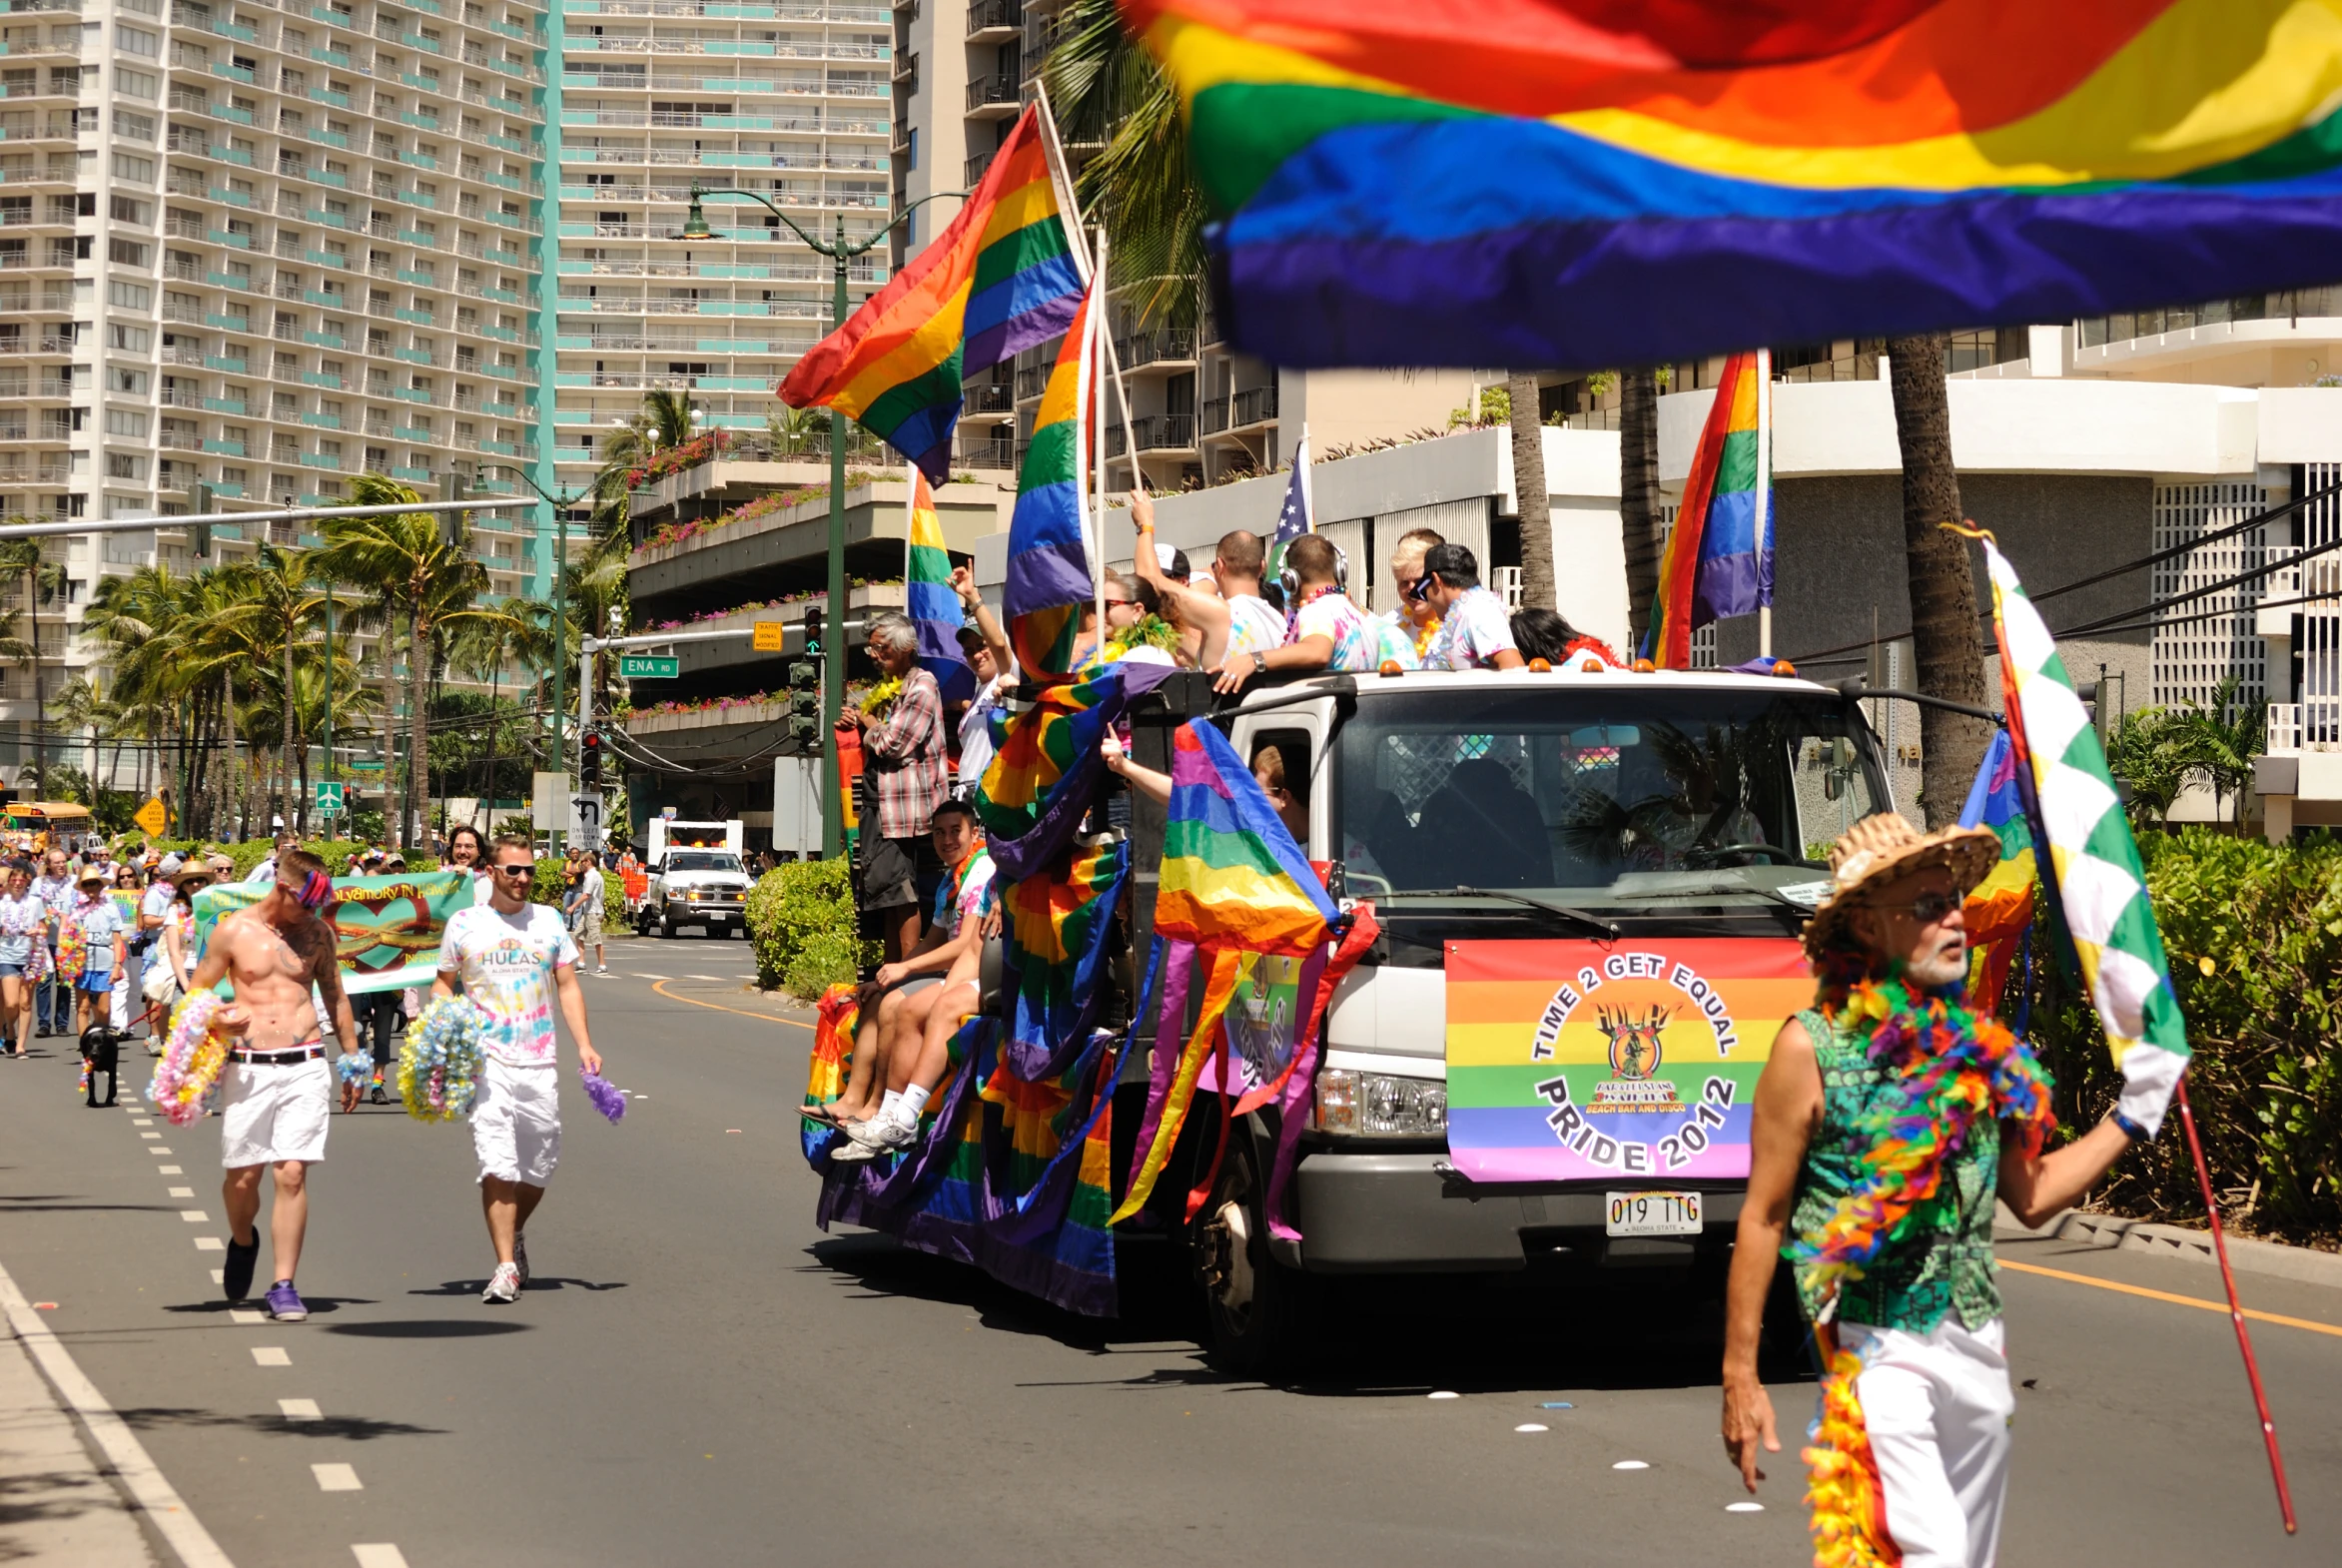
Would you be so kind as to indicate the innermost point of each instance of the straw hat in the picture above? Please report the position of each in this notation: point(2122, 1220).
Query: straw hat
point(1883, 847)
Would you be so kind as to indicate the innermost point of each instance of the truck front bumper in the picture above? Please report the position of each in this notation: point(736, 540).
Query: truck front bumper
point(1396, 1212)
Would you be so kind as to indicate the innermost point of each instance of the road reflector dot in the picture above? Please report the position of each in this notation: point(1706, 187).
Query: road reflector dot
point(731, 1129)
point(1531, 1426)
point(1630, 1464)
point(1744, 1507)
point(1445, 1395)
point(44, 1306)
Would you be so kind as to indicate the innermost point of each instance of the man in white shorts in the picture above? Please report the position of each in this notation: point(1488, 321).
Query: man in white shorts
point(513, 957)
point(277, 1093)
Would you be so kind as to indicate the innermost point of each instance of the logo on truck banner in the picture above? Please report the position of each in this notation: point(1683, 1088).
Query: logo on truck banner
point(1571, 1060)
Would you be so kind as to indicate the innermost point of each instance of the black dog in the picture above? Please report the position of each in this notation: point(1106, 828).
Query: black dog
point(101, 1047)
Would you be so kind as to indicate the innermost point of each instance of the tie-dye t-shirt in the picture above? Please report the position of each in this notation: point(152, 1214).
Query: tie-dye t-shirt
point(506, 963)
point(1332, 616)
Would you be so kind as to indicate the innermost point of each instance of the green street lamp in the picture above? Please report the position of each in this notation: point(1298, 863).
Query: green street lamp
point(833, 690)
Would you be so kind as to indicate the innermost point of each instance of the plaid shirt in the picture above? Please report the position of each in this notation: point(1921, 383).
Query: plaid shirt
point(904, 754)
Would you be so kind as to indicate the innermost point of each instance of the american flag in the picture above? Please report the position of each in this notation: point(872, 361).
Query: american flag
point(1299, 512)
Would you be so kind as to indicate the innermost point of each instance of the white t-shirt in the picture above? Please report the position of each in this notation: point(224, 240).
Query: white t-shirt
point(506, 964)
point(591, 884)
point(976, 735)
point(1255, 625)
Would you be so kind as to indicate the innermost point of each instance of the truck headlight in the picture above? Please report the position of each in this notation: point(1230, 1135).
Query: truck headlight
point(1380, 1104)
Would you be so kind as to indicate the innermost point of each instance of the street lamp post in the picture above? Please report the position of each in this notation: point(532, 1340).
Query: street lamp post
point(833, 686)
point(560, 504)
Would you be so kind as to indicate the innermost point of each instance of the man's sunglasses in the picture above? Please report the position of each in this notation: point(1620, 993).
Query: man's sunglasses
point(525, 868)
point(1928, 909)
point(1420, 588)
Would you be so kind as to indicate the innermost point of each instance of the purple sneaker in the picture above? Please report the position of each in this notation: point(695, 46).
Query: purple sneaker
point(285, 1304)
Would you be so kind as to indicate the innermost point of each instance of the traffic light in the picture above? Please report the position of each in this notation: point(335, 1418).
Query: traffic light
point(203, 531)
point(451, 522)
point(805, 704)
point(590, 760)
point(813, 616)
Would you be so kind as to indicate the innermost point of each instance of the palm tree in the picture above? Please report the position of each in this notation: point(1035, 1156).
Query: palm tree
point(1528, 488)
point(43, 581)
point(2224, 735)
point(1946, 644)
point(418, 576)
point(282, 605)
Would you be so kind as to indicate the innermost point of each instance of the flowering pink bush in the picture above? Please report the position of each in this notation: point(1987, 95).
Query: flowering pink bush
point(785, 601)
point(712, 704)
point(747, 511)
point(676, 459)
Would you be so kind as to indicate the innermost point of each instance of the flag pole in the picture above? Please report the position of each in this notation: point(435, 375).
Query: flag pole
point(2252, 1370)
point(1764, 497)
point(1053, 151)
point(1094, 325)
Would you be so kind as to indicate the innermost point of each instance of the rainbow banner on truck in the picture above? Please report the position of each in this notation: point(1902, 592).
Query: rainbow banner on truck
point(1582, 1061)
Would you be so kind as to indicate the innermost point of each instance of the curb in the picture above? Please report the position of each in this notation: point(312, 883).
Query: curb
point(2245, 1254)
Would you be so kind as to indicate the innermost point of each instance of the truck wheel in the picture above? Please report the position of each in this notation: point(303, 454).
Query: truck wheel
point(1256, 1309)
point(668, 927)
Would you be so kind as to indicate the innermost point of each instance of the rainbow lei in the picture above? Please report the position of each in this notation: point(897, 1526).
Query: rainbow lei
point(438, 1068)
point(192, 1058)
point(1950, 1066)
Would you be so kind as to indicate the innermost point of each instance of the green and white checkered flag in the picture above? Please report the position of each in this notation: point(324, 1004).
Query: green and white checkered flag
point(2093, 866)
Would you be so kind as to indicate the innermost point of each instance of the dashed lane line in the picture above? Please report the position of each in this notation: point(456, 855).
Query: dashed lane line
point(148, 1491)
point(337, 1477)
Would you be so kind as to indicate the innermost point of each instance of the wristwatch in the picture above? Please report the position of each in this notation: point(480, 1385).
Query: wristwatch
point(2130, 1130)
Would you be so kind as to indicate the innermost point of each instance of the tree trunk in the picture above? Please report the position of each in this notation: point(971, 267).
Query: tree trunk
point(228, 732)
point(393, 782)
point(286, 754)
point(1528, 487)
point(1946, 644)
point(418, 674)
point(1638, 498)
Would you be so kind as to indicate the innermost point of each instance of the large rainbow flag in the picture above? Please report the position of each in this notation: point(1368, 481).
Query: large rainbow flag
point(929, 598)
point(1718, 559)
point(2000, 908)
point(1533, 182)
point(1048, 563)
point(1001, 278)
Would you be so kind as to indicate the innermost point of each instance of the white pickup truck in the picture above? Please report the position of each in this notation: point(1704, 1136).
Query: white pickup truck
point(707, 888)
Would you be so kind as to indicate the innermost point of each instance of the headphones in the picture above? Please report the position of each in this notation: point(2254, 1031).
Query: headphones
point(1290, 580)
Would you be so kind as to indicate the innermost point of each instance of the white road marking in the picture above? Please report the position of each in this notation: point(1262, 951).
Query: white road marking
point(645, 974)
point(181, 1191)
point(337, 1478)
point(169, 1171)
point(1744, 1507)
point(718, 979)
point(219, 1275)
point(380, 1554)
point(1531, 1426)
point(270, 1355)
point(148, 1491)
point(299, 1411)
point(155, 1136)
point(142, 1121)
point(193, 1217)
point(241, 1315)
point(210, 1243)
point(158, 1150)
point(1630, 1464)
point(743, 976)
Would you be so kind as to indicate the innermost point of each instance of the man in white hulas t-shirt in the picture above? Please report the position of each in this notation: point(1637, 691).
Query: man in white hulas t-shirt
point(513, 957)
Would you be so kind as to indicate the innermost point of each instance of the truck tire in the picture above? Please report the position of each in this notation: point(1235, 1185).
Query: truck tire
point(667, 926)
point(1258, 1312)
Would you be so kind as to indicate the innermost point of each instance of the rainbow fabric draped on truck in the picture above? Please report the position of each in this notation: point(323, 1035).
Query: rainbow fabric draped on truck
point(1570, 182)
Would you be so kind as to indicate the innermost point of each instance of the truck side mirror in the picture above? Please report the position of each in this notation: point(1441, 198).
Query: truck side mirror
point(1838, 768)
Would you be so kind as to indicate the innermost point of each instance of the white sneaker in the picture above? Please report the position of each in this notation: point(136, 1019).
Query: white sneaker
point(882, 1132)
point(503, 1284)
point(604, 970)
point(850, 1153)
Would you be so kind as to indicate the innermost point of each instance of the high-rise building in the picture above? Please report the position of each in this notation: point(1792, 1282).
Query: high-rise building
point(785, 99)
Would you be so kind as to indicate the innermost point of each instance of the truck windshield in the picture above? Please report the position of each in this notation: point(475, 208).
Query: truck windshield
point(1619, 801)
point(702, 860)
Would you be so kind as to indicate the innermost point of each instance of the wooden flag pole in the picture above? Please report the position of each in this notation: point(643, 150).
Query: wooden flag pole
point(1764, 495)
point(2252, 1370)
point(1094, 324)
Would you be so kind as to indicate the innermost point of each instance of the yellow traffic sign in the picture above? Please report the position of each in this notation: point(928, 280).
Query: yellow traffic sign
point(153, 817)
point(769, 634)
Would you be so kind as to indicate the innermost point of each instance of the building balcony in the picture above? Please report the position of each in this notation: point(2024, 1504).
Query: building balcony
point(994, 98)
point(995, 21)
point(1168, 347)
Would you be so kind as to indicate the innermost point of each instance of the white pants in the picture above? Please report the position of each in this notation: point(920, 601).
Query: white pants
point(516, 1122)
point(267, 1114)
point(1939, 1408)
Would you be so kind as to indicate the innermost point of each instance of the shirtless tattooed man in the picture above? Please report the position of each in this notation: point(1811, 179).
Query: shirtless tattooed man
point(278, 1090)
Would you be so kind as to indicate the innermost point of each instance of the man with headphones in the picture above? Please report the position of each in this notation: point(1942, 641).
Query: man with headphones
point(1328, 630)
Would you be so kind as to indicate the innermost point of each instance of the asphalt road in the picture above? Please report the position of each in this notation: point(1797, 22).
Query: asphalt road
point(699, 1374)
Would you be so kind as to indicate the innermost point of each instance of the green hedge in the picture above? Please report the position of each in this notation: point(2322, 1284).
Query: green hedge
point(2254, 935)
point(801, 921)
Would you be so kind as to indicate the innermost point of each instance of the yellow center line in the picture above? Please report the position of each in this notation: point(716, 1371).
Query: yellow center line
point(2177, 1301)
point(660, 986)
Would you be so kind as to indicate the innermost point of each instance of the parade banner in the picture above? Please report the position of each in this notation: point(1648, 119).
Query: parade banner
point(1576, 1061)
point(387, 930)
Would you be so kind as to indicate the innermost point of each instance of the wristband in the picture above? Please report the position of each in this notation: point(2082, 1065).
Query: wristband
point(2130, 1130)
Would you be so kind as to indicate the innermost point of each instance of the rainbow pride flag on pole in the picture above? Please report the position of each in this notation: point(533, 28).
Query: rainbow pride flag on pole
point(929, 598)
point(1521, 181)
point(1718, 559)
point(1049, 558)
point(2000, 908)
point(1003, 278)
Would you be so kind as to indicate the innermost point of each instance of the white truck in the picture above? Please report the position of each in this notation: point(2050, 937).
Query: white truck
point(670, 833)
point(1590, 884)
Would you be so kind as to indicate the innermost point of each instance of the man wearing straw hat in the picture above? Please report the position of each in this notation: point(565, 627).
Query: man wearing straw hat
point(1888, 1117)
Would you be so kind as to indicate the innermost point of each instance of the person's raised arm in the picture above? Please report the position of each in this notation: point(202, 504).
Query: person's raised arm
point(1155, 786)
point(978, 613)
point(1206, 612)
point(573, 1013)
point(1786, 1110)
point(2037, 1186)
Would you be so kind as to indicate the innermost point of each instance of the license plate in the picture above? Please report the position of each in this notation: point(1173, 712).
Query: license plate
point(1652, 1214)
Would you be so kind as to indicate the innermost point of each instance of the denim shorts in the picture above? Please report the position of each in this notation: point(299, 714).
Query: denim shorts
point(11, 971)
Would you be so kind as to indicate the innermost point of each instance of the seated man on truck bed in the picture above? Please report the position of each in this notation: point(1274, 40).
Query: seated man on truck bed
point(896, 1003)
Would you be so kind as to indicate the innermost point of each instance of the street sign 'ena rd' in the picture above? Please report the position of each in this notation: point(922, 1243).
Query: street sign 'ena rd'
point(649, 666)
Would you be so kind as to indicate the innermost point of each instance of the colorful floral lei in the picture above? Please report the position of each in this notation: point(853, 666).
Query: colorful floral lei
point(192, 1058)
point(440, 1067)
